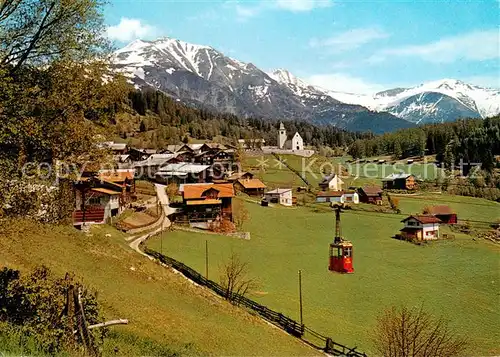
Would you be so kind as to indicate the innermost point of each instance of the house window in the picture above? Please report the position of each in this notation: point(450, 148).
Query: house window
point(411, 223)
point(94, 201)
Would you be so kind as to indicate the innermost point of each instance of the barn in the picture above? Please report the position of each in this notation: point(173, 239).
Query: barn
point(444, 213)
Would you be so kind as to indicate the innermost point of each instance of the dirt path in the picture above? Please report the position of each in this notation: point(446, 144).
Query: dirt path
point(167, 210)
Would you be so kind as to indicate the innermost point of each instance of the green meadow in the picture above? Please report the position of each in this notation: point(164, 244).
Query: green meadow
point(456, 278)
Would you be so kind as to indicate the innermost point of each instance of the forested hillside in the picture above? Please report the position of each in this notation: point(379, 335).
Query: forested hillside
point(152, 119)
point(470, 140)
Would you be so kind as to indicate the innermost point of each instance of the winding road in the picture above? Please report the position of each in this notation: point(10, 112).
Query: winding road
point(167, 210)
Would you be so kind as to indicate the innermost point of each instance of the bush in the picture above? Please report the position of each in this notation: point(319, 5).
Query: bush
point(44, 311)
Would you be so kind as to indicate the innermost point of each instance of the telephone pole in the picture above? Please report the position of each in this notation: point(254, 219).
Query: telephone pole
point(206, 259)
point(300, 296)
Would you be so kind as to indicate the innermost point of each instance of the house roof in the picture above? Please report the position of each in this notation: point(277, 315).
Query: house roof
point(210, 201)
point(184, 168)
point(372, 190)
point(440, 209)
point(155, 160)
point(330, 194)
point(216, 146)
point(329, 178)
point(195, 191)
point(238, 175)
point(115, 146)
point(252, 183)
point(119, 175)
point(393, 176)
point(279, 191)
point(105, 191)
point(173, 147)
point(144, 151)
point(424, 219)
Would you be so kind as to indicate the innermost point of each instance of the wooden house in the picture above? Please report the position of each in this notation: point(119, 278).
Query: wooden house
point(283, 196)
point(420, 227)
point(399, 181)
point(444, 213)
point(96, 200)
point(140, 154)
point(123, 177)
point(240, 175)
point(370, 194)
point(331, 182)
point(207, 202)
point(252, 187)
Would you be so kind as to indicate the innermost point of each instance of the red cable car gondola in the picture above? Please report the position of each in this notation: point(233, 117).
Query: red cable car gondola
point(340, 250)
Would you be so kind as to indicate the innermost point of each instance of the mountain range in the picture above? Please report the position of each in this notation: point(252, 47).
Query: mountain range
point(204, 77)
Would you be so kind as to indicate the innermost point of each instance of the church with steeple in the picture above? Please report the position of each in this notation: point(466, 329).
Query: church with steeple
point(293, 142)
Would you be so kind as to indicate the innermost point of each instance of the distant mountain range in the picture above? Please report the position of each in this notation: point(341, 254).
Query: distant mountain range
point(204, 77)
point(431, 102)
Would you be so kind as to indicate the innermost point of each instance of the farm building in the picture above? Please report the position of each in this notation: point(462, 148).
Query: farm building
point(444, 213)
point(331, 183)
point(97, 200)
point(283, 196)
point(370, 194)
point(421, 227)
point(252, 187)
point(207, 202)
point(400, 181)
point(338, 197)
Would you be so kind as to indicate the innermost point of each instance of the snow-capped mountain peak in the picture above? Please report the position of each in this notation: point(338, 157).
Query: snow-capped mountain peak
point(201, 75)
point(434, 101)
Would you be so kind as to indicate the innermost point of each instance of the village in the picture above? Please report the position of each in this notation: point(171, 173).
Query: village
point(207, 177)
point(325, 223)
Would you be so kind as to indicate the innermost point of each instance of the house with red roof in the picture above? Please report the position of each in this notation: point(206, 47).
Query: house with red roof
point(420, 227)
point(206, 202)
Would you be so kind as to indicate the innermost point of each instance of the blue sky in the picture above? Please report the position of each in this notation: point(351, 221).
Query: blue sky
point(359, 46)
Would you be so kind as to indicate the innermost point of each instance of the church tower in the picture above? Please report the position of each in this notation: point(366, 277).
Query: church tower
point(281, 136)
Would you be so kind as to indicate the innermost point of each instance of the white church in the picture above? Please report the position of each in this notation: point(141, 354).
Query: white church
point(294, 143)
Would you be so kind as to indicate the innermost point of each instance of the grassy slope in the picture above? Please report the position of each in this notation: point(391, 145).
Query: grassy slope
point(166, 313)
point(457, 278)
point(362, 174)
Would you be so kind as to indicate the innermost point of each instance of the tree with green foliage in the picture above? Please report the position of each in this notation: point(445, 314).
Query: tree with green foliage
point(57, 93)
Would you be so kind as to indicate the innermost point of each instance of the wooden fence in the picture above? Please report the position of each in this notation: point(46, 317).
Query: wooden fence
point(289, 325)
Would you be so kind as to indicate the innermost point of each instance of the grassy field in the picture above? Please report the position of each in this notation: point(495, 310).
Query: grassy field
point(358, 173)
point(458, 278)
point(168, 315)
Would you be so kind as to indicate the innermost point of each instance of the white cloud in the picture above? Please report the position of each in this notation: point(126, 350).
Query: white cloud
point(302, 5)
point(472, 46)
point(349, 40)
point(245, 12)
point(130, 29)
point(342, 82)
